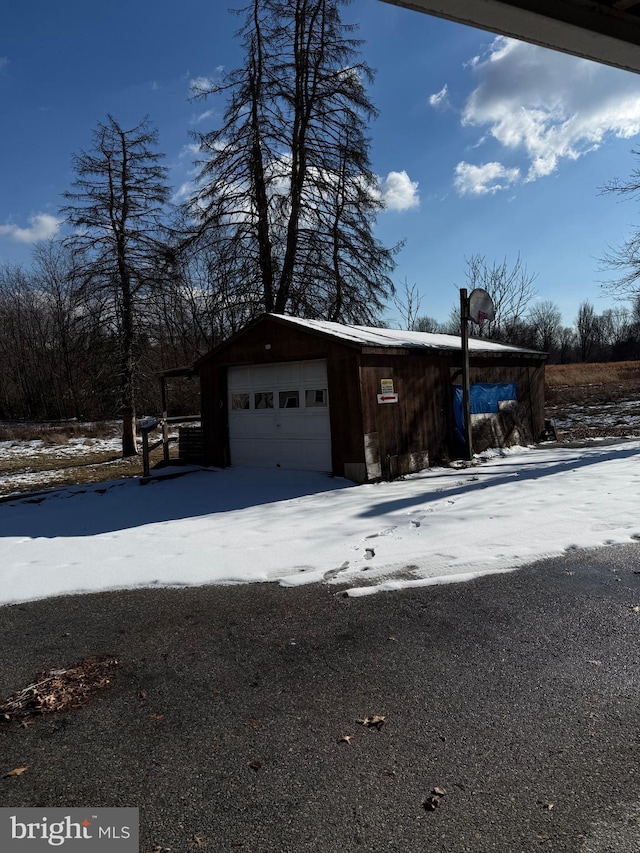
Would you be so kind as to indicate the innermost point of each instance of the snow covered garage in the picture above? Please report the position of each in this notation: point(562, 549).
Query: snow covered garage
point(358, 402)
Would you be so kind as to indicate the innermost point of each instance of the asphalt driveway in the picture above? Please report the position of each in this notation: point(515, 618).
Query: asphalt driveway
point(518, 695)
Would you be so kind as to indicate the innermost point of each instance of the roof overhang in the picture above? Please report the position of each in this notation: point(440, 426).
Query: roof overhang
point(606, 31)
point(176, 372)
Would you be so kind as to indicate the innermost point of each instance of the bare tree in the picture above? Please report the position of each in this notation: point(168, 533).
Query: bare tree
point(587, 330)
point(117, 210)
point(510, 288)
point(545, 320)
point(26, 379)
point(408, 301)
point(624, 261)
point(566, 344)
point(425, 323)
point(286, 192)
point(54, 271)
point(615, 327)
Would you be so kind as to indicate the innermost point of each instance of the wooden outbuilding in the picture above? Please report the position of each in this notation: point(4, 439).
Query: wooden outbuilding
point(359, 402)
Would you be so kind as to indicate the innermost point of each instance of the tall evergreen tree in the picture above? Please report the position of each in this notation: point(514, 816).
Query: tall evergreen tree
point(286, 192)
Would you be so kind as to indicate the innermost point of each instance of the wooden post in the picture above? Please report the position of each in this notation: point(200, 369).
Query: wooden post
point(466, 400)
point(165, 428)
point(145, 452)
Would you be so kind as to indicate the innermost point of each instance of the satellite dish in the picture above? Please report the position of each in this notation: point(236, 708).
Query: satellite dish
point(481, 306)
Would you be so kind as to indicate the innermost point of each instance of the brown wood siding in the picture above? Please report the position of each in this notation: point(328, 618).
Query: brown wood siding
point(422, 420)
point(286, 343)
point(417, 423)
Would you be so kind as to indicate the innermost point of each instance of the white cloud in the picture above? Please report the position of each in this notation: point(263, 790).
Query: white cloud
point(202, 85)
point(481, 180)
point(548, 106)
point(202, 116)
point(399, 192)
point(440, 99)
point(191, 150)
point(4, 61)
point(185, 191)
point(42, 226)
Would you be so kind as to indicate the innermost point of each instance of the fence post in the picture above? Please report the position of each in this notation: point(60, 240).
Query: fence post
point(165, 428)
point(145, 452)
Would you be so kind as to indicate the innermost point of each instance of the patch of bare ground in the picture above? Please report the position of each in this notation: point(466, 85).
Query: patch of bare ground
point(64, 455)
point(591, 401)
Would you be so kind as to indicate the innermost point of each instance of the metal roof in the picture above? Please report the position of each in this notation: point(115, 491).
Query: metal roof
point(373, 336)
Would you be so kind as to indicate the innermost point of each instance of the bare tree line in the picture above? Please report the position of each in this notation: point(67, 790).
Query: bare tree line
point(524, 320)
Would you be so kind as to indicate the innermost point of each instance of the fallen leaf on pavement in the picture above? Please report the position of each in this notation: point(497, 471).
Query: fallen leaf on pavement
point(156, 716)
point(376, 721)
point(433, 800)
point(345, 739)
point(198, 840)
point(17, 771)
point(431, 803)
point(255, 765)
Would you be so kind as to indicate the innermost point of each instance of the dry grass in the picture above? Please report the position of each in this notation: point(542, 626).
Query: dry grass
point(586, 374)
point(592, 383)
point(56, 432)
point(589, 401)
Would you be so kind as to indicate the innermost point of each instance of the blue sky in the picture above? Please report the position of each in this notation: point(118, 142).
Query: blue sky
point(482, 145)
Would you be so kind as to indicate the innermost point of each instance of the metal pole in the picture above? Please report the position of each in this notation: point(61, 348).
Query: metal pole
point(466, 401)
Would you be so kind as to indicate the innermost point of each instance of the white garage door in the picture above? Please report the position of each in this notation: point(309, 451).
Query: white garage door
point(279, 415)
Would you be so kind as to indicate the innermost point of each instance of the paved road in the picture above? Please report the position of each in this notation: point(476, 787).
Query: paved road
point(517, 694)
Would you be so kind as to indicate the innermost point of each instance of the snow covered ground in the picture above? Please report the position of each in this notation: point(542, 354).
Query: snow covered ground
point(72, 447)
point(246, 525)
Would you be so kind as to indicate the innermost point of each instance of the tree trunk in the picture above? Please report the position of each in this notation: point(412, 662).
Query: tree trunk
point(129, 442)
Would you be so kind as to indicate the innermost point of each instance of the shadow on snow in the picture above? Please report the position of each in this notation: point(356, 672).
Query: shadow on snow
point(521, 471)
point(123, 504)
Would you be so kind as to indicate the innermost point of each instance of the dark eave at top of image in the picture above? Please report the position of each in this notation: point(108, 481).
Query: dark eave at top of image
point(606, 31)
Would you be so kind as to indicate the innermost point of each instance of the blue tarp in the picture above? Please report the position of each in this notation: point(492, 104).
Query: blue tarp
point(483, 398)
